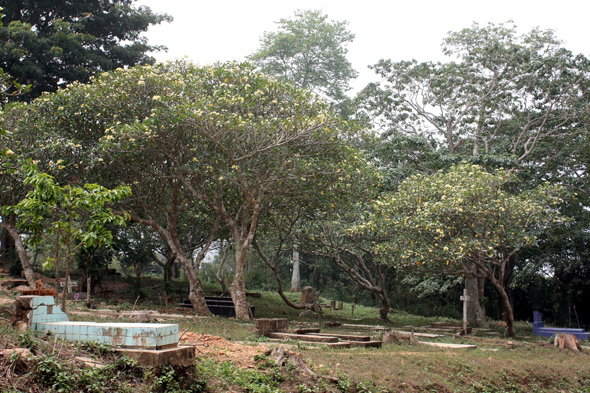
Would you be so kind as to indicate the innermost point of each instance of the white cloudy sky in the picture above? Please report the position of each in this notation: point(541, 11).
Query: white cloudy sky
point(209, 31)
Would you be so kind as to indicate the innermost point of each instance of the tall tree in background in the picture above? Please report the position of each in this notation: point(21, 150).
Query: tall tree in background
point(504, 95)
point(51, 43)
point(310, 52)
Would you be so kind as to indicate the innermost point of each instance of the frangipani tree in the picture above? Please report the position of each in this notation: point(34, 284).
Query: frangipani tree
point(219, 144)
point(463, 222)
point(329, 235)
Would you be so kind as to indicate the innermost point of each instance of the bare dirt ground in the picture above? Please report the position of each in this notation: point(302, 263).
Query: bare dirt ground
point(222, 350)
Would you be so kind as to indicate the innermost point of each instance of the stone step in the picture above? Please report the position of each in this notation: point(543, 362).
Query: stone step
point(449, 346)
point(346, 337)
point(303, 337)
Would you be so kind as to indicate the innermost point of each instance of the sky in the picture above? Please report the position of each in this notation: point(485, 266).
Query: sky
point(210, 31)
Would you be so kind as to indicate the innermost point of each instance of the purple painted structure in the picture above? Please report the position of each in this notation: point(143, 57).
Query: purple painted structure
point(540, 330)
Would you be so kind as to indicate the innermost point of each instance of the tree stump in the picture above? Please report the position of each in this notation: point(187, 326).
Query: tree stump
point(264, 326)
point(281, 356)
point(307, 295)
point(22, 307)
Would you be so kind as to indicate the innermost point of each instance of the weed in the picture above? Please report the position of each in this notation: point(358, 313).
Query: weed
point(253, 381)
point(171, 380)
point(27, 340)
point(51, 373)
point(97, 347)
point(344, 384)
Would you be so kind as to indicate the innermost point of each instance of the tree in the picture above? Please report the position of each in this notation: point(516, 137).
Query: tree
point(331, 236)
point(9, 237)
point(49, 44)
point(70, 217)
point(12, 190)
point(507, 100)
point(450, 222)
point(216, 145)
point(310, 52)
point(504, 96)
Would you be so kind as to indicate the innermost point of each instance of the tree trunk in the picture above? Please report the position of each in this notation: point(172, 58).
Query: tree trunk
point(6, 245)
point(219, 275)
point(167, 272)
point(22, 253)
point(475, 312)
point(67, 281)
point(386, 305)
point(296, 277)
point(176, 269)
point(238, 286)
point(197, 297)
point(508, 314)
point(196, 294)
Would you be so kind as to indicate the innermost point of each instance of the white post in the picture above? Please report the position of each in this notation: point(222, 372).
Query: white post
point(465, 299)
point(296, 277)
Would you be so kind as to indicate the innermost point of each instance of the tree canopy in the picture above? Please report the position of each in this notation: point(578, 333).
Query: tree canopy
point(449, 222)
point(310, 52)
point(504, 95)
point(255, 156)
point(222, 142)
point(49, 44)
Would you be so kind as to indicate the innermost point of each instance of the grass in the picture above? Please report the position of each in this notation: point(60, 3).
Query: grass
point(421, 368)
point(492, 367)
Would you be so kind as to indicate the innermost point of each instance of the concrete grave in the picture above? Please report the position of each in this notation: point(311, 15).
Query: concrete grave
point(539, 328)
point(144, 340)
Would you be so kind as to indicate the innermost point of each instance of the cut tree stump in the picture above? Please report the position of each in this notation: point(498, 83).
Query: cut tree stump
point(307, 295)
point(264, 326)
point(281, 356)
point(22, 307)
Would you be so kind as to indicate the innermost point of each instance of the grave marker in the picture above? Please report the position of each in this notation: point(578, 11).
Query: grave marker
point(71, 284)
point(465, 299)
